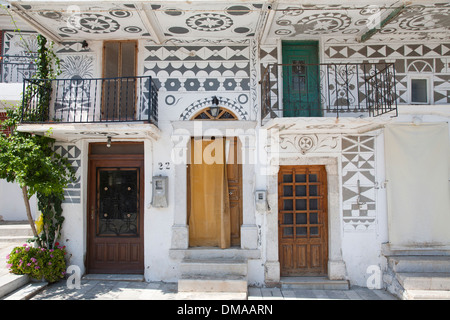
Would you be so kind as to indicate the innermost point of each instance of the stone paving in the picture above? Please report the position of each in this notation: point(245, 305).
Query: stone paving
point(129, 290)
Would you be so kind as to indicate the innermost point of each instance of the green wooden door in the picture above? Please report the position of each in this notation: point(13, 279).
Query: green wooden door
point(301, 86)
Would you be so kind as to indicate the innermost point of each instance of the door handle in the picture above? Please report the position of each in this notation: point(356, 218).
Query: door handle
point(92, 213)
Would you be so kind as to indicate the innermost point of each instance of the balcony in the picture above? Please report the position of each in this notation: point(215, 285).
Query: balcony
point(327, 90)
point(94, 100)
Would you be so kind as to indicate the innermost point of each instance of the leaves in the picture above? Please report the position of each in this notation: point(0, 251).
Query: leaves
point(29, 159)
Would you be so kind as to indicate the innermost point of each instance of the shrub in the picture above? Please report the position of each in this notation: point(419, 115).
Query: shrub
point(38, 262)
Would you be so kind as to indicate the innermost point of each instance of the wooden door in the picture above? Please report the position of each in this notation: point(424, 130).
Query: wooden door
point(119, 84)
point(202, 233)
point(115, 214)
point(302, 220)
point(234, 176)
point(301, 86)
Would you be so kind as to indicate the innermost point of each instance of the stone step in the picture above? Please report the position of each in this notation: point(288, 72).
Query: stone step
point(313, 283)
point(214, 253)
point(227, 283)
point(11, 282)
point(427, 295)
point(420, 263)
point(14, 239)
point(390, 250)
point(15, 229)
point(424, 280)
point(114, 277)
point(214, 267)
point(27, 291)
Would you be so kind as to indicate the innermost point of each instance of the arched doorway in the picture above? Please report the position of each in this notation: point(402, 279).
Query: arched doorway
point(214, 187)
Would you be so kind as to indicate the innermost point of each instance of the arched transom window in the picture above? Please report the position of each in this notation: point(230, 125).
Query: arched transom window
point(207, 114)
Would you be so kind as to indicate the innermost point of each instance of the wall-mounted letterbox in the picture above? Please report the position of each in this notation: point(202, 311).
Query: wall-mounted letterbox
point(160, 197)
point(261, 201)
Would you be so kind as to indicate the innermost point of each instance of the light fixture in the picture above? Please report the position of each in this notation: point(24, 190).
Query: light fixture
point(108, 142)
point(214, 107)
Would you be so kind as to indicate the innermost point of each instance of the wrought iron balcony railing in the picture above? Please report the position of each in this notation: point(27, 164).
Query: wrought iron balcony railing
point(320, 90)
point(14, 69)
point(122, 99)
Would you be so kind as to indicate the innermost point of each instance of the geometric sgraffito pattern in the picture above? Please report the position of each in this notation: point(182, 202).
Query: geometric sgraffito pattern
point(73, 155)
point(199, 68)
point(358, 182)
point(410, 59)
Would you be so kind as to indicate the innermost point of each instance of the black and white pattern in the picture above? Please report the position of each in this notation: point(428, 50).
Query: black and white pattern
point(413, 59)
point(294, 21)
point(73, 154)
point(83, 22)
point(224, 102)
point(75, 93)
point(199, 68)
point(358, 183)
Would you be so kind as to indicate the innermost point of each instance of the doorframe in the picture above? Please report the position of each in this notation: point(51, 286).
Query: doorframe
point(336, 265)
point(183, 131)
point(323, 219)
point(87, 192)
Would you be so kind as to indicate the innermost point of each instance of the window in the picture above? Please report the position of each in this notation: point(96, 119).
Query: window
point(419, 91)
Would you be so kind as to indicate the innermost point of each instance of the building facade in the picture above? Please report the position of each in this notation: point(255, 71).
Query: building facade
point(270, 139)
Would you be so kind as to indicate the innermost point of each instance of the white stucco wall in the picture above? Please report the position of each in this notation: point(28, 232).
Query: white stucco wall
point(12, 206)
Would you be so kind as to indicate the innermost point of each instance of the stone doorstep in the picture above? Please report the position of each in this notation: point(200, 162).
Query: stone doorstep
point(27, 291)
point(214, 267)
point(420, 263)
point(202, 283)
point(427, 295)
point(313, 283)
point(15, 230)
point(424, 280)
point(15, 239)
point(114, 277)
point(11, 282)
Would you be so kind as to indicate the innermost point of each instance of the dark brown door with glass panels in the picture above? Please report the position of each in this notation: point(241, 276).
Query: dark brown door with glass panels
point(302, 220)
point(115, 214)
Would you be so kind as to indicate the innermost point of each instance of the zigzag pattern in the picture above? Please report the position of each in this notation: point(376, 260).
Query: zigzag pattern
point(197, 53)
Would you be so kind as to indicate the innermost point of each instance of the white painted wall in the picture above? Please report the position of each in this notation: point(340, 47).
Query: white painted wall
point(12, 206)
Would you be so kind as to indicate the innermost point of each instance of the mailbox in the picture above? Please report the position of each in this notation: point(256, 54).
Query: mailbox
point(261, 201)
point(160, 192)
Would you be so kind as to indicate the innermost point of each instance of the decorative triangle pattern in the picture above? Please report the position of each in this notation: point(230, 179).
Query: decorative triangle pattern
point(358, 182)
point(73, 154)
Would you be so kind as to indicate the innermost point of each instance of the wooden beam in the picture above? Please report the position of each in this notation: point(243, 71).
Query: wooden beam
point(36, 26)
point(392, 15)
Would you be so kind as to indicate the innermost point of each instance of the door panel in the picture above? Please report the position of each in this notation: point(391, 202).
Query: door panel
point(301, 86)
point(119, 95)
point(302, 220)
point(115, 215)
point(203, 224)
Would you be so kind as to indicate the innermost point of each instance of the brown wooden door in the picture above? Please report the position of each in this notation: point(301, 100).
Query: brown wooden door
point(302, 220)
point(119, 85)
point(115, 214)
point(202, 232)
point(234, 176)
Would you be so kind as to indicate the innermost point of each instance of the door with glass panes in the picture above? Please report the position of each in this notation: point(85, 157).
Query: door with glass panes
point(115, 208)
point(302, 220)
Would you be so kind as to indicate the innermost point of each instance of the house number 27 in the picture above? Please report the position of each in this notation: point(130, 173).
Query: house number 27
point(165, 165)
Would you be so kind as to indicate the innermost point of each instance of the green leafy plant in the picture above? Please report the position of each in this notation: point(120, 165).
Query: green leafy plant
point(29, 159)
point(38, 262)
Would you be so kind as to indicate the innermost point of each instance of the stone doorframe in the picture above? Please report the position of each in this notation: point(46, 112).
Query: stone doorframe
point(336, 264)
point(182, 133)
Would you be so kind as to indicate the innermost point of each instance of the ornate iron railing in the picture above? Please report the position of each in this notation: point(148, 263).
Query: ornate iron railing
point(319, 90)
point(13, 69)
point(77, 100)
